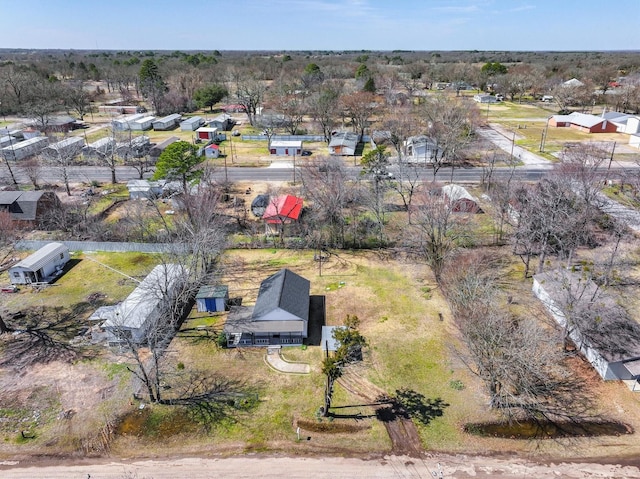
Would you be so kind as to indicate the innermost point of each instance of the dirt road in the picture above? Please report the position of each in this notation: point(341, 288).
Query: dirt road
point(439, 466)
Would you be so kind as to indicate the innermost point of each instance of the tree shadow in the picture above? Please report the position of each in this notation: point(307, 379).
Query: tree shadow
point(409, 404)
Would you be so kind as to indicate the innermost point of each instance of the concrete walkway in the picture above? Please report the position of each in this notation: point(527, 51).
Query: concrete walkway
point(628, 216)
point(503, 139)
point(274, 359)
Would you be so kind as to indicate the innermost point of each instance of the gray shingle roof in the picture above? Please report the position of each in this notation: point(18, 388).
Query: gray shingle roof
point(284, 291)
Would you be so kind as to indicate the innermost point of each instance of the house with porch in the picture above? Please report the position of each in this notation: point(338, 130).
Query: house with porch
point(279, 317)
point(421, 149)
point(343, 143)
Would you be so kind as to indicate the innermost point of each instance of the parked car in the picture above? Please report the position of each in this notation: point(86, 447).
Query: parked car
point(500, 97)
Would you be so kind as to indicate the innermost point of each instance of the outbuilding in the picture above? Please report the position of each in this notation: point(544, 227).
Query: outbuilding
point(168, 122)
point(101, 148)
point(42, 266)
point(191, 124)
point(460, 200)
point(485, 98)
point(206, 134)
point(285, 147)
point(212, 151)
point(212, 298)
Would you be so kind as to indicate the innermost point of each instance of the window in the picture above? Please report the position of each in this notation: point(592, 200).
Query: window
point(272, 151)
point(61, 255)
point(262, 341)
point(16, 274)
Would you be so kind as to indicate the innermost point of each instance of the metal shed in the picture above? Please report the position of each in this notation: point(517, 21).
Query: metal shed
point(123, 124)
point(212, 298)
point(69, 147)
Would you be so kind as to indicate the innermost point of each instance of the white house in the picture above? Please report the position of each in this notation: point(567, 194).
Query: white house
point(168, 122)
point(223, 122)
point(145, 306)
point(67, 148)
point(124, 123)
point(485, 98)
point(285, 147)
point(40, 267)
point(142, 124)
point(421, 149)
point(24, 149)
point(634, 140)
point(139, 189)
point(191, 124)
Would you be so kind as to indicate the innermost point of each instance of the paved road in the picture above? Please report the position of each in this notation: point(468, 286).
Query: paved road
point(504, 140)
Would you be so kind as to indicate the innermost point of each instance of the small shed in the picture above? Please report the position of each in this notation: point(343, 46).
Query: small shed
point(191, 124)
point(42, 266)
point(328, 342)
point(212, 151)
point(142, 124)
point(460, 200)
point(168, 122)
point(144, 189)
point(212, 298)
point(285, 147)
point(206, 133)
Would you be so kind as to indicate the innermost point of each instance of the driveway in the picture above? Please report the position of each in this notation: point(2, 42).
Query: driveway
point(503, 139)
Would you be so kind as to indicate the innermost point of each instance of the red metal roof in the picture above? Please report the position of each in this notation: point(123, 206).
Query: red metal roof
point(282, 209)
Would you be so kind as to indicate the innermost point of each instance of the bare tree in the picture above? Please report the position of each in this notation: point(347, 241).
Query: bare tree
point(359, 107)
point(324, 108)
point(61, 156)
point(249, 92)
point(32, 169)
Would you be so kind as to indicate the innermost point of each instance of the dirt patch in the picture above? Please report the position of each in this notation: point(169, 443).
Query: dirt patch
point(333, 427)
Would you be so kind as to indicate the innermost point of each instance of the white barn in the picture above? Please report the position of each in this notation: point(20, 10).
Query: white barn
point(42, 266)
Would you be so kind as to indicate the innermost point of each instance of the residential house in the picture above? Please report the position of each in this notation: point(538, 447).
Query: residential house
point(485, 98)
point(574, 82)
point(142, 124)
point(460, 200)
point(68, 148)
point(421, 149)
point(124, 123)
point(146, 306)
point(281, 210)
point(24, 149)
point(343, 144)
point(57, 124)
point(285, 147)
point(28, 207)
point(212, 298)
point(42, 266)
point(555, 289)
point(156, 150)
point(222, 122)
point(191, 124)
point(279, 317)
point(145, 189)
point(168, 122)
point(583, 122)
point(101, 148)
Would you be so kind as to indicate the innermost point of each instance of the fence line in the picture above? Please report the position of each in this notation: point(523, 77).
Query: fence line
point(111, 246)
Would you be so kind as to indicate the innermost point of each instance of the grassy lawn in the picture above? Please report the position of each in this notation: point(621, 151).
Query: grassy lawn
point(508, 110)
point(85, 274)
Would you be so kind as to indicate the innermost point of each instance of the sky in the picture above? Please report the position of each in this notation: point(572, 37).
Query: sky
point(321, 24)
